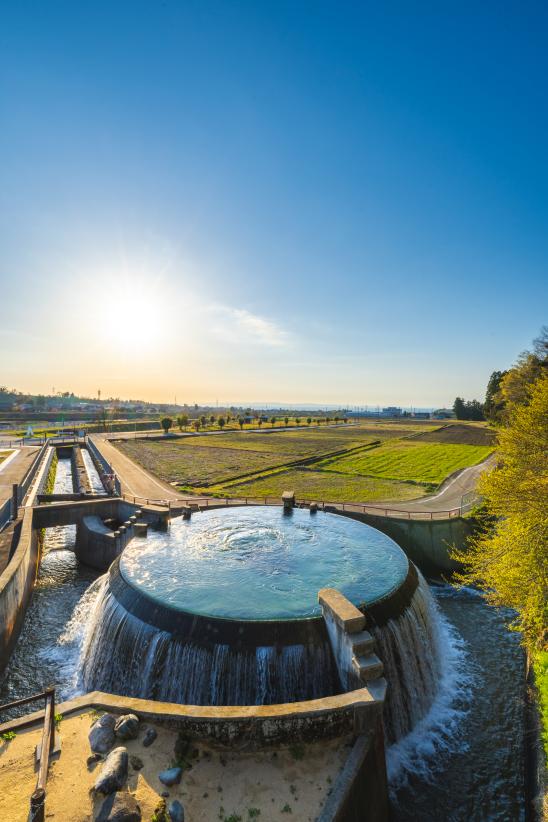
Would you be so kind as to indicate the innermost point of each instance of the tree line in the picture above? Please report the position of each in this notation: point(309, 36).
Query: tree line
point(506, 388)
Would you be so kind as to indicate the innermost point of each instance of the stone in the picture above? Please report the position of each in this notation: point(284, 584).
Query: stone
point(127, 727)
point(149, 737)
point(119, 807)
point(171, 776)
point(93, 759)
point(176, 811)
point(101, 736)
point(114, 772)
point(136, 762)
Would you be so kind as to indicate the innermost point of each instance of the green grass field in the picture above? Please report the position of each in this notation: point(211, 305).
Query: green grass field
point(321, 486)
point(408, 461)
point(4, 455)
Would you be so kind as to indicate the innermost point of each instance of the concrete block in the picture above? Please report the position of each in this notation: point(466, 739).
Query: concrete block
point(345, 614)
point(367, 667)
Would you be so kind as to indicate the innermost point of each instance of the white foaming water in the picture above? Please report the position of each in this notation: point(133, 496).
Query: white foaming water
point(438, 732)
point(67, 651)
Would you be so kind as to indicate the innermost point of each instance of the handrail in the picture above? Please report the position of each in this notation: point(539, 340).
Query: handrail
point(374, 510)
point(38, 798)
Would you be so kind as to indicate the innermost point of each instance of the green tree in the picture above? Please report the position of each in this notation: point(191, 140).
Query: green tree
point(308, 420)
point(221, 422)
point(297, 420)
point(212, 420)
point(259, 422)
point(509, 560)
point(241, 423)
point(273, 421)
point(459, 408)
point(196, 424)
point(184, 420)
point(286, 421)
point(337, 418)
point(494, 405)
point(166, 423)
point(203, 421)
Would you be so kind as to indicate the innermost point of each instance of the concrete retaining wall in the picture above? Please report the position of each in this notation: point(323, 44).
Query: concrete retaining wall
point(360, 792)
point(98, 546)
point(16, 584)
point(357, 712)
point(428, 543)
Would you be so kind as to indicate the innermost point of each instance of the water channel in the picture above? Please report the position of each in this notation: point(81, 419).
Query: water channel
point(463, 761)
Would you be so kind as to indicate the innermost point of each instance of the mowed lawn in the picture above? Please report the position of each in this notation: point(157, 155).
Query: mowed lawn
point(408, 461)
point(322, 486)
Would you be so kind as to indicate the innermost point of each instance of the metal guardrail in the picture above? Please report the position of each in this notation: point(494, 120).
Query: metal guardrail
point(373, 510)
point(38, 798)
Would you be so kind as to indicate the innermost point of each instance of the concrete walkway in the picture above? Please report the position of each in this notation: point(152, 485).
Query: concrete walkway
point(15, 470)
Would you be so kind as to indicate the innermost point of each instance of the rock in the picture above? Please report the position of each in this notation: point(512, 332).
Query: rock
point(127, 727)
point(113, 772)
point(136, 762)
point(176, 811)
point(149, 737)
point(171, 776)
point(91, 760)
point(120, 807)
point(101, 736)
point(165, 795)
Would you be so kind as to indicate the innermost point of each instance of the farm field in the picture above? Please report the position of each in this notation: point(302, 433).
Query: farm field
point(369, 462)
point(409, 461)
point(321, 486)
point(459, 434)
point(200, 461)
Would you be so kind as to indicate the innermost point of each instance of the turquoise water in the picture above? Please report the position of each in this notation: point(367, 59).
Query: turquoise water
point(259, 563)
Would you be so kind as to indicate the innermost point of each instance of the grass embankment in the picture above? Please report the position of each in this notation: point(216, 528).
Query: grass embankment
point(4, 455)
point(371, 462)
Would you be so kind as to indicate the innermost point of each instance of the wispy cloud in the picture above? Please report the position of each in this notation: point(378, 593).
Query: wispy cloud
point(241, 325)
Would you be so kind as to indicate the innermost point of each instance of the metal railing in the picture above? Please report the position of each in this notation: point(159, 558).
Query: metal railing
point(351, 507)
point(38, 798)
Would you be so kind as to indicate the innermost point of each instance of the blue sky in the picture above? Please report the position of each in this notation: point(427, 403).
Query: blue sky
point(301, 201)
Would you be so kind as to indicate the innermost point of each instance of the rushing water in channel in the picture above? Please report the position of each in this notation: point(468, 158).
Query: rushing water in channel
point(464, 761)
point(94, 479)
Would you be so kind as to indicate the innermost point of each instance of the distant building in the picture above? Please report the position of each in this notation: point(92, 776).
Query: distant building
point(421, 415)
point(443, 414)
point(391, 411)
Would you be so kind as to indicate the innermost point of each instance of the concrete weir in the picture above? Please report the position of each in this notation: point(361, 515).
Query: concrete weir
point(143, 647)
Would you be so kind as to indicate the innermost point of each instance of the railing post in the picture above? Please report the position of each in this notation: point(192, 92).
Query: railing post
point(38, 805)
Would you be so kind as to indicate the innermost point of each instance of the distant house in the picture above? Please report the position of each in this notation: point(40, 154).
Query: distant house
point(421, 415)
point(391, 411)
point(443, 414)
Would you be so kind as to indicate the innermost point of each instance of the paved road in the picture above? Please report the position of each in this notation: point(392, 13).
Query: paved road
point(138, 482)
point(15, 470)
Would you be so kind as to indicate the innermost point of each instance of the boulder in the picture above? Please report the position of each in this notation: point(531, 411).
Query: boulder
point(119, 807)
point(127, 727)
point(176, 811)
point(171, 776)
point(113, 774)
point(136, 762)
point(149, 737)
point(101, 736)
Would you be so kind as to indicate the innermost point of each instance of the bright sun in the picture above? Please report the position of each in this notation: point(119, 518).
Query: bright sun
point(132, 319)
